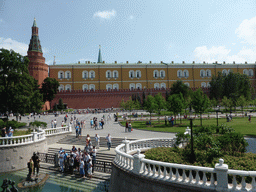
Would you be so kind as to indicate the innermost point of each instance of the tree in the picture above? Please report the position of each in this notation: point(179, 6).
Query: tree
point(150, 105)
point(200, 102)
point(227, 103)
point(160, 103)
point(49, 89)
point(241, 102)
point(130, 104)
point(175, 104)
point(179, 87)
point(19, 91)
point(232, 86)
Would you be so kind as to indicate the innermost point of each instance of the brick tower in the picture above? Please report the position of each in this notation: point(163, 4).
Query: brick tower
point(37, 67)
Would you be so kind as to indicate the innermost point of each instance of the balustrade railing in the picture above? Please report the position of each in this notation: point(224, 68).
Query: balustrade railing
point(38, 135)
point(129, 157)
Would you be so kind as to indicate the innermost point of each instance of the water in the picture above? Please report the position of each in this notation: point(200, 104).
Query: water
point(57, 182)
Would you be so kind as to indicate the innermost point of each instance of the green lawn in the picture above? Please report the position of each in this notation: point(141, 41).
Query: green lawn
point(239, 124)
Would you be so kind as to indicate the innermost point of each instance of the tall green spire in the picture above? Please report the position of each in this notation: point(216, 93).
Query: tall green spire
point(99, 56)
point(34, 24)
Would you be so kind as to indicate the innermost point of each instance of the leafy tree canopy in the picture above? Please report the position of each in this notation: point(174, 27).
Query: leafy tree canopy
point(179, 87)
point(19, 91)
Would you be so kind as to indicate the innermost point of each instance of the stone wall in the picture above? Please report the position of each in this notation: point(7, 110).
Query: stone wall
point(13, 158)
point(126, 181)
point(51, 139)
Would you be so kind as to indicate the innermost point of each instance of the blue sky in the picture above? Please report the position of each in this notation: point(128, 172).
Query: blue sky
point(146, 30)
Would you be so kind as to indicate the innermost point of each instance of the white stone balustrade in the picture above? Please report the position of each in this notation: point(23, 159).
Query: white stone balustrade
point(128, 157)
point(33, 137)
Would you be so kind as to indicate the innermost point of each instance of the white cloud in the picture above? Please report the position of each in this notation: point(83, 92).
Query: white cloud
point(247, 31)
point(221, 54)
point(105, 14)
point(18, 47)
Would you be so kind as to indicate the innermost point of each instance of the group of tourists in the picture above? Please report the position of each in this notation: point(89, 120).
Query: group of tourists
point(33, 165)
point(97, 125)
point(7, 132)
point(128, 127)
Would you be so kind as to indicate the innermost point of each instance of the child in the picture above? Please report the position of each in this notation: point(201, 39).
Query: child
point(82, 173)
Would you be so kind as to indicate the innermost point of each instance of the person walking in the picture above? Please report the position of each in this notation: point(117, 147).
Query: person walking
point(126, 126)
point(108, 138)
point(93, 154)
point(97, 140)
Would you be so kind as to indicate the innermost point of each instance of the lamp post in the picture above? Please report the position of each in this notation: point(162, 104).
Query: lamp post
point(217, 110)
point(192, 157)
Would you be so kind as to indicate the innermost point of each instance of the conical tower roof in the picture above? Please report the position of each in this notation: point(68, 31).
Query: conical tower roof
point(99, 56)
point(34, 44)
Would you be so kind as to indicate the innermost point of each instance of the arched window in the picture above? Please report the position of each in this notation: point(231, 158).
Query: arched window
point(132, 86)
point(156, 85)
point(60, 74)
point(163, 85)
point(92, 74)
point(138, 73)
point(115, 74)
point(245, 71)
point(85, 74)
point(224, 72)
point(208, 84)
point(187, 84)
point(203, 84)
point(138, 86)
point(250, 72)
point(108, 87)
point(68, 87)
point(185, 73)
point(131, 74)
point(67, 74)
point(202, 73)
point(116, 86)
point(208, 73)
point(92, 87)
point(61, 87)
point(108, 74)
point(155, 74)
point(85, 87)
point(179, 73)
point(162, 73)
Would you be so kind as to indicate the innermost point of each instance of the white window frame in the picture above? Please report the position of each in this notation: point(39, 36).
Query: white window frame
point(163, 85)
point(131, 74)
point(203, 85)
point(116, 86)
point(68, 87)
point(138, 72)
point(91, 87)
point(108, 74)
point(179, 73)
point(162, 72)
point(156, 86)
point(66, 74)
point(246, 72)
point(138, 86)
point(90, 73)
point(61, 87)
point(85, 87)
point(116, 74)
point(202, 73)
point(224, 72)
point(155, 74)
point(208, 73)
point(250, 73)
point(132, 86)
point(187, 84)
point(208, 84)
point(108, 87)
point(59, 74)
point(185, 73)
point(85, 72)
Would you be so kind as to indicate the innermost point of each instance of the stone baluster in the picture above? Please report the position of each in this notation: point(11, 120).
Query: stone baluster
point(137, 162)
point(126, 147)
point(34, 135)
point(222, 176)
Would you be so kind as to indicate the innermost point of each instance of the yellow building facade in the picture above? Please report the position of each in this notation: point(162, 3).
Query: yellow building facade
point(100, 76)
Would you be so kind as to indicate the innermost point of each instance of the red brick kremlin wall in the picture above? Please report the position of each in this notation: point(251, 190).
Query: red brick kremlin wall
point(79, 99)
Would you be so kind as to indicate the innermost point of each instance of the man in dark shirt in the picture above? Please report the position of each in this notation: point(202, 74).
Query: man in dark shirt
point(36, 160)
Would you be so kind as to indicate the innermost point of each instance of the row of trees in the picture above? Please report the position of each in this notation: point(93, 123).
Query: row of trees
point(20, 92)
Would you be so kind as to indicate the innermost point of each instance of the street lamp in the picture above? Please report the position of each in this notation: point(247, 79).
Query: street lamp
point(192, 157)
point(217, 110)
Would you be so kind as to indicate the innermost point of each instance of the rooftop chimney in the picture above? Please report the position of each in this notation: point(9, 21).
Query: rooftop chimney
point(234, 62)
point(224, 62)
point(127, 61)
point(89, 62)
point(193, 62)
point(78, 62)
point(172, 62)
point(161, 61)
point(183, 62)
point(103, 61)
point(115, 61)
point(151, 61)
point(203, 62)
point(245, 62)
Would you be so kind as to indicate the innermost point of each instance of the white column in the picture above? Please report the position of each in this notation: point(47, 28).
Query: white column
point(70, 128)
point(126, 142)
point(222, 176)
point(137, 162)
point(34, 136)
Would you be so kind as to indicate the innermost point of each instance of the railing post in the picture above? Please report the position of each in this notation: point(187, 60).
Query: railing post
point(70, 128)
point(56, 160)
point(126, 142)
point(34, 135)
point(222, 176)
point(137, 162)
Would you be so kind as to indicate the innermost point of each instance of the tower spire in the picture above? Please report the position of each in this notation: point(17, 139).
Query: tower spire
point(34, 44)
point(54, 62)
point(99, 56)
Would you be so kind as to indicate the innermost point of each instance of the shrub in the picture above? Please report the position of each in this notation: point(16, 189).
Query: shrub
point(38, 124)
